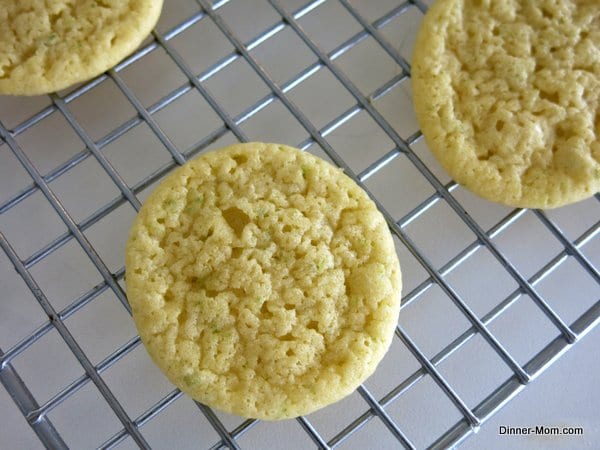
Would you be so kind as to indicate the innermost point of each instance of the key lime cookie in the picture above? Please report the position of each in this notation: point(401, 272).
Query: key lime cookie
point(48, 45)
point(263, 281)
point(507, 95)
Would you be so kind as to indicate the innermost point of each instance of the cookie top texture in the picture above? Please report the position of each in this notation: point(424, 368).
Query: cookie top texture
point(263, 281)
point(507, 93)
point(48, 45)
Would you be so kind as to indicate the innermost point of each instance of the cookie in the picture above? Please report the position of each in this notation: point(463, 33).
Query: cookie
point(263, 281)
point(50, 45)
point(507, 95)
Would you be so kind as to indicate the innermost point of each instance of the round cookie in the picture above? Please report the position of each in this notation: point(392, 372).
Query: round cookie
point(48, 45)
point(507, 95)
point(263, 281)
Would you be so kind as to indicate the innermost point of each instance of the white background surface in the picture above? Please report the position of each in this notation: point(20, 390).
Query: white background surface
point(566, 393)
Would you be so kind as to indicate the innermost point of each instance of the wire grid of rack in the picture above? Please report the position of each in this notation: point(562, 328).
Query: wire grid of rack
point(574, 247)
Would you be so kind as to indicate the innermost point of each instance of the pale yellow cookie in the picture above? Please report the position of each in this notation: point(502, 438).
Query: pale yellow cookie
point(507, 95)
point(48, 45)
point(263, 281)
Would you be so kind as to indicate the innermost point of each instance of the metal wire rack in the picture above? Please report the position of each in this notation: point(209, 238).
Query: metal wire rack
point(414, 195)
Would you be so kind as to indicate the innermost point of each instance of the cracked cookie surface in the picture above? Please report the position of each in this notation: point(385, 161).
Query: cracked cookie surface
point(263, 281)
point(507, 95)
point(48, 45)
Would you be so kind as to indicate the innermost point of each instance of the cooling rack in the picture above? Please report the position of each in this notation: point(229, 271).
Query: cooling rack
point(492, 296)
